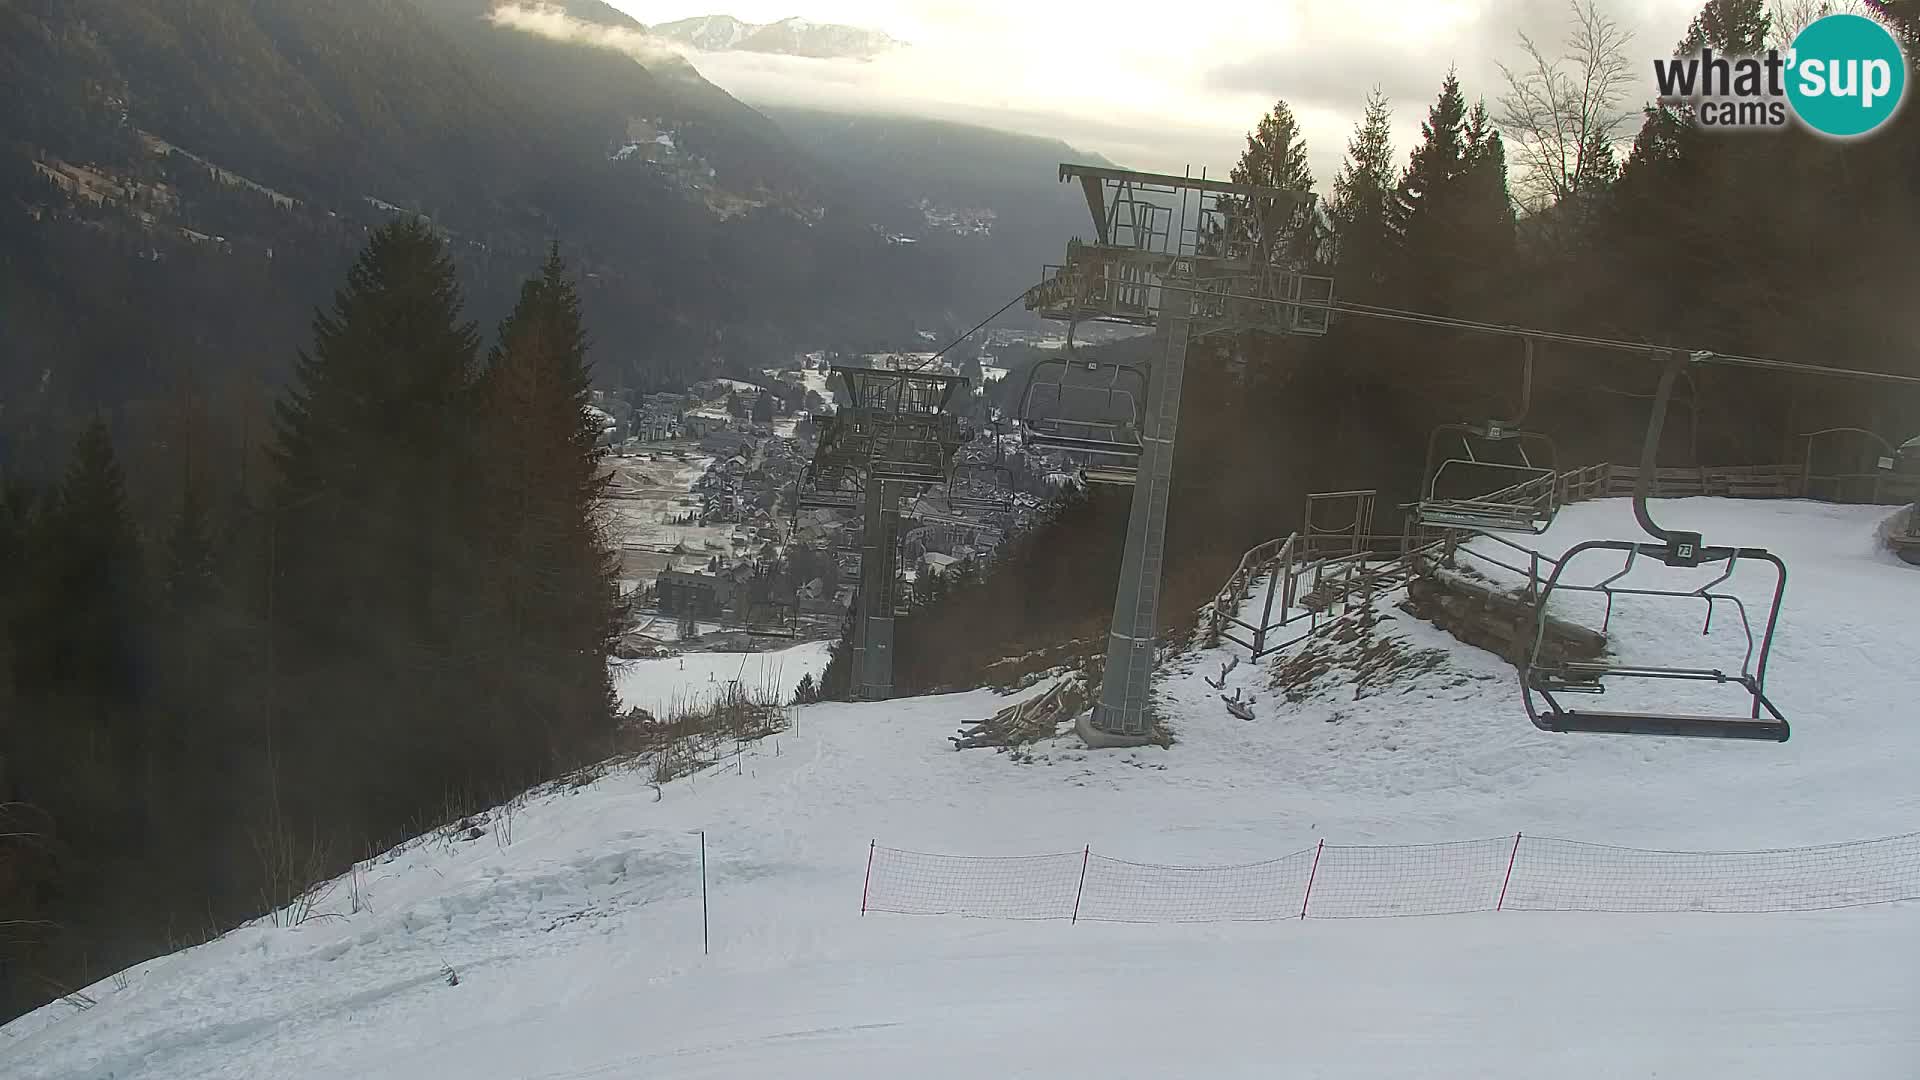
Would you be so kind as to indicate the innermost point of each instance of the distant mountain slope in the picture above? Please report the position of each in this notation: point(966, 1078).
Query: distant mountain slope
point(156, 155)
point(787, 37)
point(989, 198)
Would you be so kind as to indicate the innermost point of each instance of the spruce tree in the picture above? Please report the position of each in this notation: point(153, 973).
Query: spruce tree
point(78, 666)
point(78, 637)
point(806, 693)
point(1438, 160)
point(549, 566)
point(371, 572)
point(1728, 27)
point(1360, 205)
point(1451, 210)
point(1276, 157)
point(1276, 153)
point(1486, 211)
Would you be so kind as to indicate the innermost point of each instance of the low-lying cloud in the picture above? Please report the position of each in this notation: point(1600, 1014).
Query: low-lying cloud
point(1166, 102)
point(554, 24)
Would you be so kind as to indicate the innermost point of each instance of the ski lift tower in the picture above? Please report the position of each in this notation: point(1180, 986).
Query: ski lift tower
point(1191, 258)
point(895, 430)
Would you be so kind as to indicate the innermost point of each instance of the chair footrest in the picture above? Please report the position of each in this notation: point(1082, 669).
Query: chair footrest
point(1702, 727)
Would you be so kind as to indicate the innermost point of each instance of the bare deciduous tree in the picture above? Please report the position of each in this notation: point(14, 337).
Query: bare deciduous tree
point(1792, 16)
point(1562, 116)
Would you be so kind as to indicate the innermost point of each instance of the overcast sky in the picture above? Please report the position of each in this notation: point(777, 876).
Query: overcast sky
point(1161, 87)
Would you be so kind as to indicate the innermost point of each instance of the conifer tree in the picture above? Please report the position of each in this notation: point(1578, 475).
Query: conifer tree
point(1486, 207)
point(1276, 153)
point(370, 563)
point(1451, 209)
point(1276, 157)
point(549, 566)
point(78, 637)
point(78, 749)
point(1362, 195)
point(1728, 27)
point(1438, 160)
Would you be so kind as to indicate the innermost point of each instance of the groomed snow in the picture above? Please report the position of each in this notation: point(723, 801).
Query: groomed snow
point(576, 932)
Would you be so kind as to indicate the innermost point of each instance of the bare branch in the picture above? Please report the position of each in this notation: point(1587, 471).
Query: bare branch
point(1560, 113)
point(1789, 17)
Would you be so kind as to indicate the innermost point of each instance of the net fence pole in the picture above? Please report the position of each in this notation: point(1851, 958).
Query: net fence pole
point(1508, 880)
point(1085, 854)
point(1311, 873)
point(866, 884)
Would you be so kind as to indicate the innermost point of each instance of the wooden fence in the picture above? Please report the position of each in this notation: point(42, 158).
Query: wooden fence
point(1746, 482)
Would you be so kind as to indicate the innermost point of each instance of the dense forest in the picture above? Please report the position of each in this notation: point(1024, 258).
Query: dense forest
point(1777, 244)
point(408, 619)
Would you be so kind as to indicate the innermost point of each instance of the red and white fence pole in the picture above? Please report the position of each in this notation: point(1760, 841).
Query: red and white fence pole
point(1311, 874)
point(1508, 880)
point(1085, 853)
point(867, 883)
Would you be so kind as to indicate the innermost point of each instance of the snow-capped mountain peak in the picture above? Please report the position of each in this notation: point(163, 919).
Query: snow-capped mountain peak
point(793, 36)
point(708, 33)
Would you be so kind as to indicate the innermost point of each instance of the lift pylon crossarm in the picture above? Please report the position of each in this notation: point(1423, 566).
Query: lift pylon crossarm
point(1168, 181)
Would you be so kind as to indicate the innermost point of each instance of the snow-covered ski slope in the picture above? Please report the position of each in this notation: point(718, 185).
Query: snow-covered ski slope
point(657, 685)
point(576, 933)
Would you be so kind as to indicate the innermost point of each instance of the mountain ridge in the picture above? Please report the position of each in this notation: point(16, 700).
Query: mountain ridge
point(791, 36)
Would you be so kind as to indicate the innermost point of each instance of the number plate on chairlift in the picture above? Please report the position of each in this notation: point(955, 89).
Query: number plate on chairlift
point(1683, 549)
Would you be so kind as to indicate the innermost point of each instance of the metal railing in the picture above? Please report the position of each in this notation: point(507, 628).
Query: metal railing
point(1273, 560)
point(1307, 579)
point(1344, 571)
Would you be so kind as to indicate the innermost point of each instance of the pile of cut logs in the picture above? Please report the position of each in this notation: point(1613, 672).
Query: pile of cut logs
point(1026, 722)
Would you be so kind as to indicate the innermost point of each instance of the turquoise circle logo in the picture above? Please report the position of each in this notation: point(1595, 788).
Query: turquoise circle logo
point(1848, 75)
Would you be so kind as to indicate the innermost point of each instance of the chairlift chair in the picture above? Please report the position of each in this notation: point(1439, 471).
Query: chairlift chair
point(1549, 681)
point(980, 481)
point(1502, 478)
point(981, 489)
point(1473, 489)
point(1097, 424)
point(819, 488)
